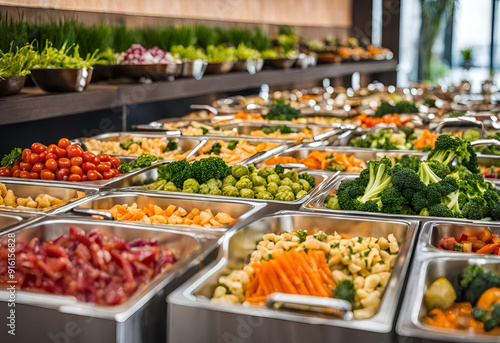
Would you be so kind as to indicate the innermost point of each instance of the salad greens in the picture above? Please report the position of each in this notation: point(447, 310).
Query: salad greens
point(143, 161)
point(9, 160)
point(220, 53)
point(244, 53)
point(399, 107)
point(190, 52)
point(18, 63)
point(282, 111)
point(51, 57)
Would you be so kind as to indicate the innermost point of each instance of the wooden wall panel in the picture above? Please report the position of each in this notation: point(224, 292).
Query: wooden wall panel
point(325, 13)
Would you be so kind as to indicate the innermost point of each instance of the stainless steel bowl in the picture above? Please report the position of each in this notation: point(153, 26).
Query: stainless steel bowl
point(62, 80)
point(328, 57)
point(252, 65)
point(219, 68)
point(280, 63)
point(11, 85)
point(195, 68)
point(160, 71)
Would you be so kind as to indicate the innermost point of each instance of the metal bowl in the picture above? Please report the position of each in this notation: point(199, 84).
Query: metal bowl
point(280, 63)
point(160, 71)
point(62, 80)
point(252, 65)
point(328, 57)
point(219, 68)
point(195, 68)
point(11, 85)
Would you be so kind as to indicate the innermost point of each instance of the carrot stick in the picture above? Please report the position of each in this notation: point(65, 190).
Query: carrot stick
point(265, 281)
point(252, 287)
point(315, 278)
point(257, 299)
point(287, 285)
point(488, 248)
point(273, 276)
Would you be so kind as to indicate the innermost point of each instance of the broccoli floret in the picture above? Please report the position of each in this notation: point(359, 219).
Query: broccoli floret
point(266, 172)
point(407, 181)
point(471, 135)
point(369, 206)
point(495, 211)
point(475, 209)
point(285, 196)
point(229, 180)
point(215, 191)
point(213, 183)
point(239, 171)
point(296, 188)
point(258, 180)
point(345, 290)
point(204, 189)
point(479, 285)
point(244, 183)
point(292, 175)
point(279, 169)
point(447, 186)
point(447, 148)
point(177, 172)
point(252, 169)
point(171, 146)
point(392, 201)
point(440, 210)
point(426, 174)
point(433, 194)
point(191, 184)
point(230, 191)
point(348, 192)
point(210, 168)
point(409, 161)
point(247, 193)
point(215, 149)
point(419, 201)
point(335, 167)
point(264, 196)
point(305, 185)
point(440, 169)
point(286, 182)
point(274, 178)
point(272, 188)
point(469, 273)
point(379, 180)
point(259, 189)
point(491, 197)
point(300, 194)
point(460, 172)
point(310, 179)
point(332, 202)
point(284, 189)
point(232, 145)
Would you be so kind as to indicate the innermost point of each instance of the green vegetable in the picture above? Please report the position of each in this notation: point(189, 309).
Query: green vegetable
point(220, 53)
point(429, 102)
point(345, 290)
point(266, 172)
point(126, 142)
point(310, 179)
point(18, 63)
point(400, 107)
point(215, 149)
point(51, 57)
point(244, 183)
point(229, 180)
point(232, 145)
point(292, 175)
point(143, 161)
point(247, 193)
point(228, 291)
point(191, 184)
point(332, 202)
point(471, 135)
point(242, 52)
point(272, 188)
point(189, 52)
point(302, 234)
point(300, 194)
point(171, 146)
point(230, 191)
point(282, 111)
point(9, 160)
point(238, 171)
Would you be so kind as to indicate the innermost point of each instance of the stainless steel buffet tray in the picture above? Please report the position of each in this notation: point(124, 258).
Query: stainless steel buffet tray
point(185, 144)
point(317, 204)
point(431, 263)
point(239, 210)
point(149, 175)
point(141, 318)
point(10, 221)
point(215, 322)
point(69, 193)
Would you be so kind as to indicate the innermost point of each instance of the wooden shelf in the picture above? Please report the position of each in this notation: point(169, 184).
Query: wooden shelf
point(34, 104)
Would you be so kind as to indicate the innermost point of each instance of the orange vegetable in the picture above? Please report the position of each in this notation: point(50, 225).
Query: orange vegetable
point(427, 138)
point(490, 297)
point(488, 248)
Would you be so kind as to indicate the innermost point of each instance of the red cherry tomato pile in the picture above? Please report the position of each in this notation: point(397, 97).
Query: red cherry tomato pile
point(63, 162)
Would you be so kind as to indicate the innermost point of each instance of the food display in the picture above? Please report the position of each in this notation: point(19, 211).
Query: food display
point(234, 151)
point(63, 162)
point(466, 303)
point(323, 160)
point(91, 266)
point(153, 214)
point(213, 176)
point(484, 243)
point(138, 54)
point(356, 270)
point(129, 146)
point(41, 201)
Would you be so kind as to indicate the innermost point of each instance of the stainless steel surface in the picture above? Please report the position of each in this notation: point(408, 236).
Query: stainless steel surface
point(251, 65)
point(140, 319)
point(302, 151)
point(191, 144)
point(194, 68)
point(69, 192)
point(238, 209)
point(62, 80)
point(91, 212)
point(219, 68)
point(11, 85)
point(158, 71)
point(309, 303)
point(280, 63)
point(204, 107)
point(481, 142)
point(461, 122)
point(9, 221)
point(430, 264)
point(150, 175)
point(191, 300)
point(316, 204)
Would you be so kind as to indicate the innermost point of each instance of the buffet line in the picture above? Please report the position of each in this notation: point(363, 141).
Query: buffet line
point(288, 215)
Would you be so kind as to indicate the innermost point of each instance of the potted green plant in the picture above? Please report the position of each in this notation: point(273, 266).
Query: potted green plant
point(467, 58)
point(15, 68)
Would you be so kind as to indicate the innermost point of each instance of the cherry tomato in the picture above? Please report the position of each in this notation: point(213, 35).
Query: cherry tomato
point(73, 151)
point(42, 156)
point(24, 174)
point(108, 175)
point(25, 154)
point(113, 170)
point(88, 166)
point(50, 156)
point(79, 149)
point(60, 152)
point(118, 171)
point(84, 177)
point(38, 167)
point(38, 147)
point(51, 164)
point(63, 143)
point(76, 161)
point(75, 170)
point(62, 174)
point(34, 175)
point(115, 162)
point(103, 157)
point(74, 177)
point(63, 163)
point(4, 171)
point(51, 149)
point(25, 166)
point(33, 158)
point(88, 156)
point(92, 175)
point(15, 168)
point(16, 173)
point(103, 167)
point(16, 163)
point(99, 175)
point(47, 175)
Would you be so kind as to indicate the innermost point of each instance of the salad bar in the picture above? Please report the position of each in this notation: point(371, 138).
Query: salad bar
point(326, 212)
